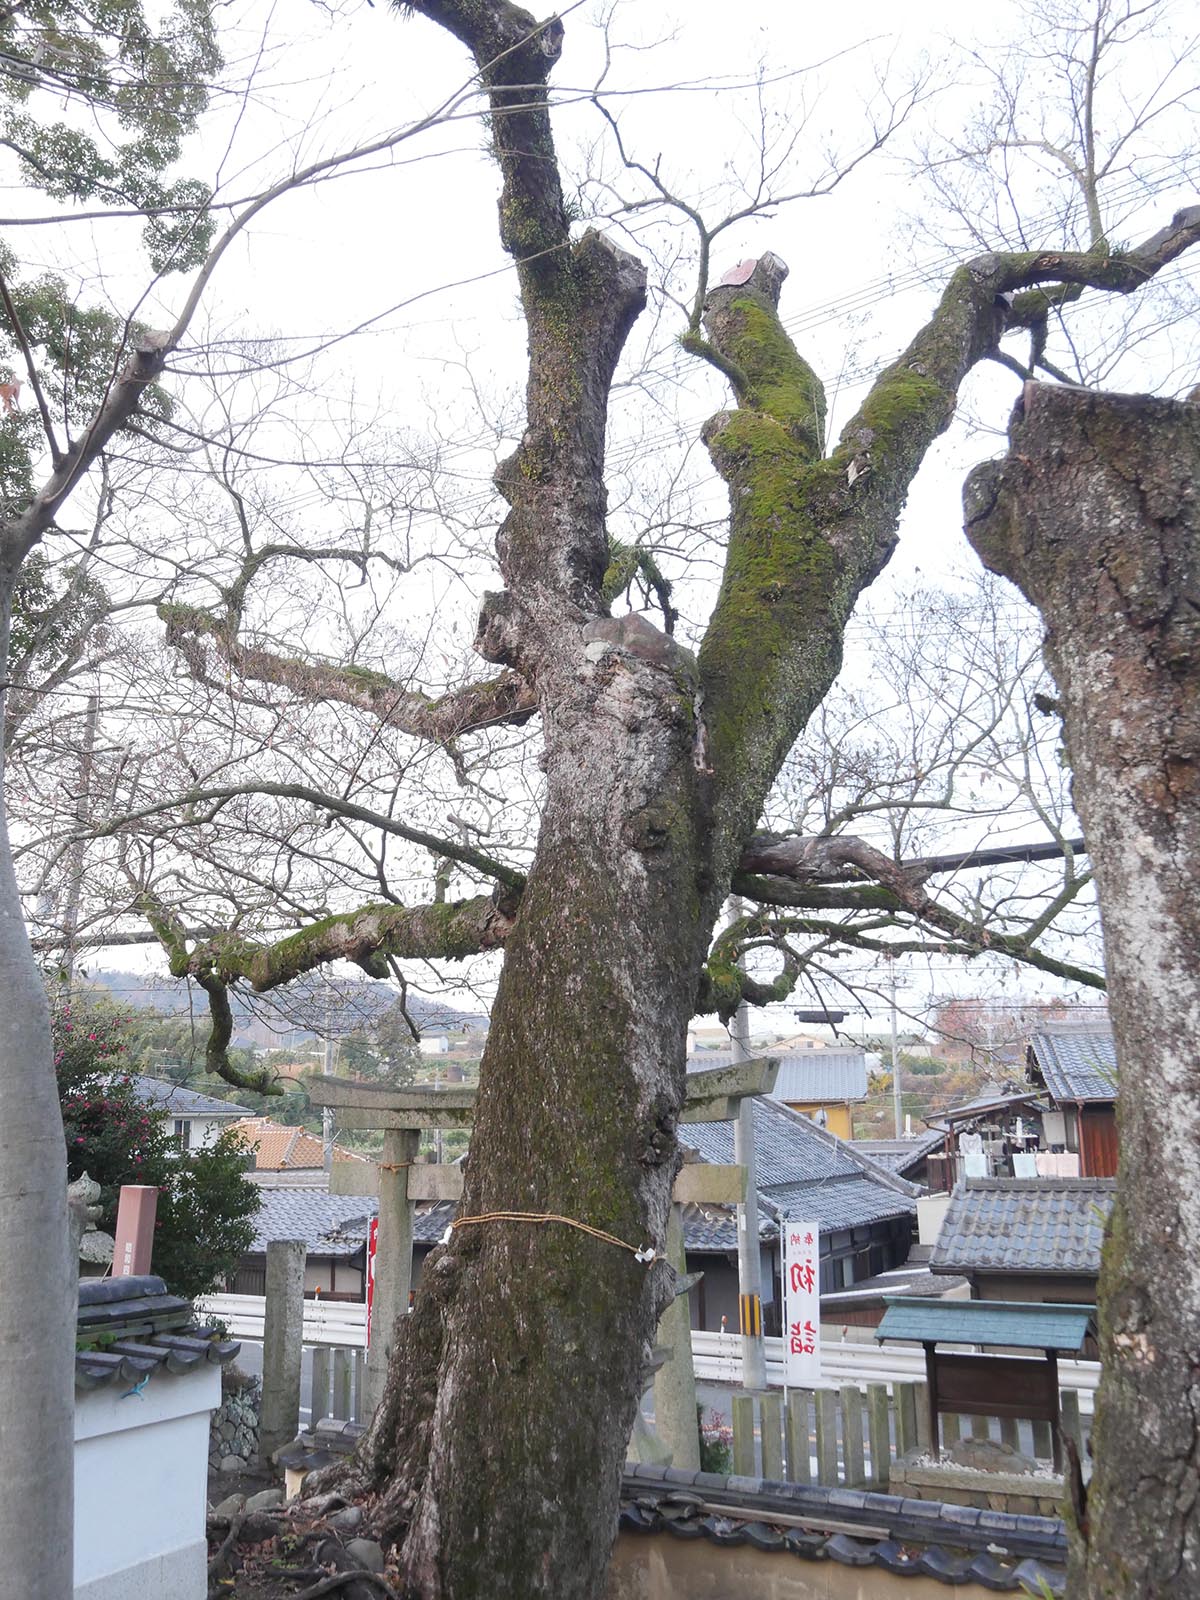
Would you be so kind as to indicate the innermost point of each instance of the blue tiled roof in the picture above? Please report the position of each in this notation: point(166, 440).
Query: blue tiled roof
point(1076, 1063)
point(1051, 1225)
point(1023, 1325)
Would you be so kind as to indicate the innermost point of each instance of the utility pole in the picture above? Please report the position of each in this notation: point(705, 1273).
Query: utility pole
point(327, 1071)
point(897, 1098)
point(754, 1354)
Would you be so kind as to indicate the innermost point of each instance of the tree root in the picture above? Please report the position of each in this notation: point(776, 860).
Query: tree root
point(340, 1580)
point(227, 1544)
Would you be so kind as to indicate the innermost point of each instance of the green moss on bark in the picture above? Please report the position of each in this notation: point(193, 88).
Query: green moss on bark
point(779, 380)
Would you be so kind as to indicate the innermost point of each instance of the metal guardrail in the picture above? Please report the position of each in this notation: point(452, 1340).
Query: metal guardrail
point(717, 1356)
point(326, 1322)
point(718, 1359)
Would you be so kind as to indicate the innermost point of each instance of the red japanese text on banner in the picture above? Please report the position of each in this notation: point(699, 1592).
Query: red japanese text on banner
point(802, 1304)
point(372, 1244)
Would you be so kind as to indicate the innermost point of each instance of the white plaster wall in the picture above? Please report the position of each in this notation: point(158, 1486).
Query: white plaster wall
point(141, 1470)
point(206, 1130)
point(931, 1213)
point(317, 1275)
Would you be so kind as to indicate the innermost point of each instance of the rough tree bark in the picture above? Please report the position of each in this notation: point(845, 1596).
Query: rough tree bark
point(1095, 514)
point(37, 1305)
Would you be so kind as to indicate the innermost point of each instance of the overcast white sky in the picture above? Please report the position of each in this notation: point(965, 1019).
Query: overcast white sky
point(379, 250)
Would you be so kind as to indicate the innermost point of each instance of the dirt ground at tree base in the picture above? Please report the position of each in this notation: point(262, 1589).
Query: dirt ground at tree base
point(288, 1551)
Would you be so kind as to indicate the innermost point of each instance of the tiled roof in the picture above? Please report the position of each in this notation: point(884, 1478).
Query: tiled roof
point(1025, 1225)
point(1021, 1325)
point(901, 1155)
point(807, 1171)
point(714, 1228)
point(802, 1170)
point(838, 1203)
point(1076, 1063)
point(145, 1331)
point(956, 1545)
point(808, 1077)
point(997, 1100)
point(276, 1146)
point(178, 1102)
point(332, 1224)
point(915, 1279)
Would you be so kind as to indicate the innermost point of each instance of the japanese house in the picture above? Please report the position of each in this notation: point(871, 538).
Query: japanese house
point(865, 1211)
point(1077, 1068)
point(1035, 1239)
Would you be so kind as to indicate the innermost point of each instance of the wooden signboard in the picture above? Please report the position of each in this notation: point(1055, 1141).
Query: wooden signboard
point(992, 1386)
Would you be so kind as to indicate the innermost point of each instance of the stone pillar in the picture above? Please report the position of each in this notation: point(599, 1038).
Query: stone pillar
point(675, 1380)
point(393, 1258)
point(283, 1334)
point(136, 1210)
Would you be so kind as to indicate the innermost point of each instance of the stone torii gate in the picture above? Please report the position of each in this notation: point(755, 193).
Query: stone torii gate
point(403, 1114)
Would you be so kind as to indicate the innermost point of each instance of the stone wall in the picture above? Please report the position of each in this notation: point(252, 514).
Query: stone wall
point(1021, 1493)
point(233, 1434)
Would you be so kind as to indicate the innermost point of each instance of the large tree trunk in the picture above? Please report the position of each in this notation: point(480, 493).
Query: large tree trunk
point(1095, 513)
point(579, 1093)
point(37, 1283)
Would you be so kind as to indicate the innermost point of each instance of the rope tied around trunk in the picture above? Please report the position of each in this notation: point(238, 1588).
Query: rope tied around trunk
point(646, 1254)
point(394, 1166)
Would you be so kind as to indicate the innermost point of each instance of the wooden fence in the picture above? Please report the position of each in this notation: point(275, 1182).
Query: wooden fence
point(337, 1384)
point(851, 1436)
point(845, 1436)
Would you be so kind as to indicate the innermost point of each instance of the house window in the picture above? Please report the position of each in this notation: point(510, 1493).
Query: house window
point(183, 1132)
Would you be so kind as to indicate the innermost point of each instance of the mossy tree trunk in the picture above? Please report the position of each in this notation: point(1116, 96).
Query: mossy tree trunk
point(1095, 514)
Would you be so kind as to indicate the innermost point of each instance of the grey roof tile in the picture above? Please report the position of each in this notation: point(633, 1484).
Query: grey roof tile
point(807, 1076)
point(708, 1229)
point(901, 1155)
point(178, 1102)
point(332, 1224)
point(1025, 1225)
point(1076, 1063)
point(158, 1333)
point(805, 1171)
point(923, 1538)
point(838, 1203)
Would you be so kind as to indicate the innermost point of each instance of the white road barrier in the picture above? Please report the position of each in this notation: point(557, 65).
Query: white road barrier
point(717, 1356)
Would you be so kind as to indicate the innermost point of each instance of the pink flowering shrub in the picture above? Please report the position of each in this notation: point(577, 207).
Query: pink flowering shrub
point(716, 1442)
point(205, 1204)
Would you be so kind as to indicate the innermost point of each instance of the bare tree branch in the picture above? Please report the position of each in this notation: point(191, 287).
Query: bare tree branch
point(504, 699)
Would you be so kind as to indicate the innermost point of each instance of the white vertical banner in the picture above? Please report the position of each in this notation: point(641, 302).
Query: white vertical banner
point(802, 1305)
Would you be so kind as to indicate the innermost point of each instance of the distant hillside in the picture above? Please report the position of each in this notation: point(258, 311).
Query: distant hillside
point(302, 1012)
